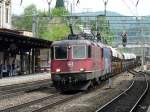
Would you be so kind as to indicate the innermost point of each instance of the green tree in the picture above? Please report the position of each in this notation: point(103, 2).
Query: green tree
point(47, 28)
point(59, 11)
point(59, 3)
point(104, 29)
point(56, 32)
point(58, 28)
point(24, 22)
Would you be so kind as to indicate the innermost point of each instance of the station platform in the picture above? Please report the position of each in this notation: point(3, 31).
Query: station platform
point(24, 79)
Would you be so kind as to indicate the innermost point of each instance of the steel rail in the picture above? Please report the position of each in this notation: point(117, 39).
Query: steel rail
point(147, 86)
point(117, 97)
point(47, 106)
point(14, 91)
point(57, 103)
point(17, 107)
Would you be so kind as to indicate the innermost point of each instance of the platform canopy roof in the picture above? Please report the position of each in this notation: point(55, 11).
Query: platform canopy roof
point(9, 37)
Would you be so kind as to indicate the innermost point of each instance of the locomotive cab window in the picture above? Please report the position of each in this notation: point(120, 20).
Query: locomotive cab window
point(60, 52)
point(79, 52)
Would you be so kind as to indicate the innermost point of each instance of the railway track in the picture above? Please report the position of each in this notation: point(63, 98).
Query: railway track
point(45, 103)
point(11, 90)
point(129, 99)
point(144, 105)
point(48, 102)
point(42, 103)
point(27, 104)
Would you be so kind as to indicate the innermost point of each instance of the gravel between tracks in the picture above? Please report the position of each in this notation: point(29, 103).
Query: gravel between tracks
point(22, 98)
point(91, 101)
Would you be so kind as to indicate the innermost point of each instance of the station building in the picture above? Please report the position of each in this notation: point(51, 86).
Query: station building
point(5, 14)
point(19, 50)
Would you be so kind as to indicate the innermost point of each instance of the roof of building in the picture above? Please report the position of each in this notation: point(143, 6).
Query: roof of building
point(8, 37)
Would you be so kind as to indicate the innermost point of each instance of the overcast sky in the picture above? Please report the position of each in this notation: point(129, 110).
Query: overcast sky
point(125, 7)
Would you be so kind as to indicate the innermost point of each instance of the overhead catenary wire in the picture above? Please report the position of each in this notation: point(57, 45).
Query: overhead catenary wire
point(128, 7)
point(78, 1)
point(105, 6)
point(135, 6)
point(21, 2)
point(130, 11)
point(132, 2)
point(137, 3)
point(105, 1)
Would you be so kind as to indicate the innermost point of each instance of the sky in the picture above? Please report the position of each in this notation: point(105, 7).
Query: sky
point(125, 7)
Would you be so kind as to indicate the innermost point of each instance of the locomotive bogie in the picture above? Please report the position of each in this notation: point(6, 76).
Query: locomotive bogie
point(74, 77)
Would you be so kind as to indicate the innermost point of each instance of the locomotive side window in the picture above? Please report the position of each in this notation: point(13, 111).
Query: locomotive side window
point(60, 52)
point(89, 51)
point(52, 53)
point(79, 52)
point(102, 52)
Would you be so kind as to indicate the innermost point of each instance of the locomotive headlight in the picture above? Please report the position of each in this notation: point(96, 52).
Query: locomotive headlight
point(82, 69)
point(58, 70)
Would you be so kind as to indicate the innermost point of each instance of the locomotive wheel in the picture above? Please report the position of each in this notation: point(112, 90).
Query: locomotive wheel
point(91, 85)
point(97, 81)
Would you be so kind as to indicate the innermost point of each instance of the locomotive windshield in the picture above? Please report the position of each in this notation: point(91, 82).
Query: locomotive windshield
point(79, 52)
point(60, 52)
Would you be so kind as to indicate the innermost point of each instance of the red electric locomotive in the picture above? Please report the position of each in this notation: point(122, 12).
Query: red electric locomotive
point(77, 64)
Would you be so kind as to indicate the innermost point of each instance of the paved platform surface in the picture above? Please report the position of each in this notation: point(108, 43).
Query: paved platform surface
point(24, 78)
